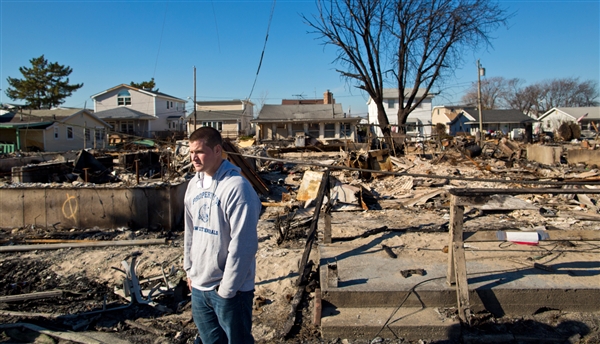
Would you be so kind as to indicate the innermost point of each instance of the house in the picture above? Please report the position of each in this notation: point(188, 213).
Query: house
point(418, 122)
point(140, 112)
point(320, 121)
point(586, 117)
point(231, 117)
point(504, 121)
point(60, 129)
point(448, 116)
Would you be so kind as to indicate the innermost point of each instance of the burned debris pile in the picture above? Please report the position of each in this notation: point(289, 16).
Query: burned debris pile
point(126, 282)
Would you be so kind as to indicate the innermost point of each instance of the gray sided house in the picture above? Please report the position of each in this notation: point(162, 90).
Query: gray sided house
point(230, 117)
point(55, 130)
point(139, 112)
point(586, 117)
point(504, 121)
point(321, 121)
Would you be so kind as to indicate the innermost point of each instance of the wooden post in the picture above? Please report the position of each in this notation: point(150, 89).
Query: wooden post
point(327, 229)
point(457, 266)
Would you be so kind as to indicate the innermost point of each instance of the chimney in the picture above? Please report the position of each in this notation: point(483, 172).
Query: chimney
point(328, 98)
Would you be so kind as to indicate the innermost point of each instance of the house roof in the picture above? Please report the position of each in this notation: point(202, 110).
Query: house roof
point(35, 117)
point(392, 93)
point(499, 116)
point(29, 125)
point(223, 102)
point(303, 113)
point(123, 112)
point(216, 115)
point(148, 92)
point(593, 112)
point(45, 114)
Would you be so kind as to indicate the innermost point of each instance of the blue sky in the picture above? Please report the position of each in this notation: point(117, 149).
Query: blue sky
point(108, 43)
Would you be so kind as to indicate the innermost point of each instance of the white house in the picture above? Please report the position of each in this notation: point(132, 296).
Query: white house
point(553, 118)
point(140, 112)
point(418, 122)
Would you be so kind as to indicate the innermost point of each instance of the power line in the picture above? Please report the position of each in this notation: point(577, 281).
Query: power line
point(262, 54)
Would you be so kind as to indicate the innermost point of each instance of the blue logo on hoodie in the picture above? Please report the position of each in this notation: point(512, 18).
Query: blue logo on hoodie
point(203, 212)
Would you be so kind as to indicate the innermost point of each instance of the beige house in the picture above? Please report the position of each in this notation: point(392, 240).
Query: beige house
point(140, 112)
point(231, 117)
point(447, 115)
point(54, 130)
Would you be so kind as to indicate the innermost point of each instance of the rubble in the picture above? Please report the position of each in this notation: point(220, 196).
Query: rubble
point(80, 287)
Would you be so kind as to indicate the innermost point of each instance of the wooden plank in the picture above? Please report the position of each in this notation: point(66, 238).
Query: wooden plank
point(20, 248)
point(327, 229)
point(554, 235)
point(488, 192)
point(310, 239)
point(456, 221)
point(462, 287)
point(31, 296)
point(318, 307)
point(494, 202)
point(457, 267)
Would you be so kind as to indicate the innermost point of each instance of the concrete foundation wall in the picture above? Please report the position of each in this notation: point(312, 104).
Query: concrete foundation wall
point(547, 155)
point(586, 156)
point(141, 207)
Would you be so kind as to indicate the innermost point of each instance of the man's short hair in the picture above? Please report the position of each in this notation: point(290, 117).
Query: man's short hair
point(211, 136)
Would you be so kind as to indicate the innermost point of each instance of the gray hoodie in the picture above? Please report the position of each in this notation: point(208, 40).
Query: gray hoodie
point(220, 240)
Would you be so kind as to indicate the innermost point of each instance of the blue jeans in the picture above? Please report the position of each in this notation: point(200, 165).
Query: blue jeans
point(222, 321)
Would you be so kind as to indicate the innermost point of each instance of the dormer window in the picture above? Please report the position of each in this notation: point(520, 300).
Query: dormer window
point(123, 98)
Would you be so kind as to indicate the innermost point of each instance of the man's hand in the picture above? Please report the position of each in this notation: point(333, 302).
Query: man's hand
point(189, 284)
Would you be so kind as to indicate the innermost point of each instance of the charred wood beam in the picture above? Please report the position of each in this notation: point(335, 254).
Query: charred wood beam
point(323, 189)
point(21, 248)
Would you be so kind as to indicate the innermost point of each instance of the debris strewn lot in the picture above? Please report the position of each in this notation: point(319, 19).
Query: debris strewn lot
point(85, 293)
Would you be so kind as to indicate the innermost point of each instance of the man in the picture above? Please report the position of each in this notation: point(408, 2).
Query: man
point(221, 215)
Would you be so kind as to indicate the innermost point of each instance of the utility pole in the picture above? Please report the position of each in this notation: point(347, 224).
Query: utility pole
point(480, 71)
point(194, 98)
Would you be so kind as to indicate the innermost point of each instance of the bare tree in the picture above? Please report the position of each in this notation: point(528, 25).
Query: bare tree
point(495, 93)
point(357, 29)
point(568, 92)
point(409, 43)
point(431, 37)
point(535, 99)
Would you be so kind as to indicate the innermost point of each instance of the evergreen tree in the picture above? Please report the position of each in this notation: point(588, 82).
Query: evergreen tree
point(145, 85)
point(44, 85)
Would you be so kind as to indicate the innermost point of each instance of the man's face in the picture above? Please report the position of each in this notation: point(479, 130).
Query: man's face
point(204, 158)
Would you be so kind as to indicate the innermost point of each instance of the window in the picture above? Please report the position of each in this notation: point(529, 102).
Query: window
point(88, 134)
point(345, 130)
point(69, 133)
point(56, 130)
point(167, 104)
point(113, 125)
point(329, 130)
point(313, 130)
point(216, 125)
point(123, 98)
point(99, 134)
point(391, 103)
point(127, 127)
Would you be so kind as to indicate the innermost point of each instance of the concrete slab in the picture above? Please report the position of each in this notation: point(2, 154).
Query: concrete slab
point(410, 323)
point(503, 281)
